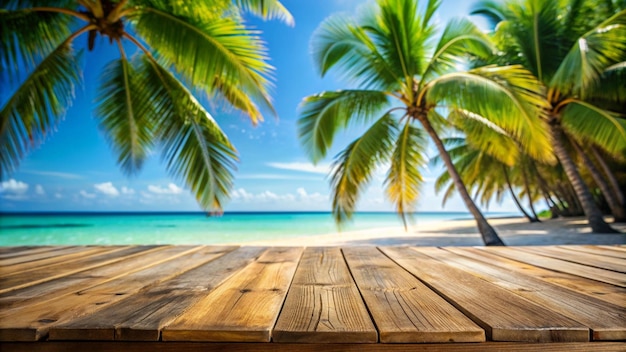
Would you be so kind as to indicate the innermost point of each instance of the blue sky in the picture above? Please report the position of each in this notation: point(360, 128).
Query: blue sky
point(75, 170)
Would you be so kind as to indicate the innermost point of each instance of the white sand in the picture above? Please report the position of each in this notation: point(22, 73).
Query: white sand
point(513, 231)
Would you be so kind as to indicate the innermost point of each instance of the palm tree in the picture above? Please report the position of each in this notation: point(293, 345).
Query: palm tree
point(567, 45)
point(145, 101)
point(487, 159)
point(406, 75)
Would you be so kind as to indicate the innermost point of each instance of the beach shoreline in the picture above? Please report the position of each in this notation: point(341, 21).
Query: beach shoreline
point(514, 231)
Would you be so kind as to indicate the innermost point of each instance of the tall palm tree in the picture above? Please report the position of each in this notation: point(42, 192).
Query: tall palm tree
point(145, 101)
point(406, 75)
point(567, 45)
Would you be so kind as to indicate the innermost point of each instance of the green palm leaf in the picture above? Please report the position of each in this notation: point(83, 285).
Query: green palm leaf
point(322, 115)
point(483, 135)
point(36, 107)
point(194, 147)
point(404, 178)
point(268, 9)
point(342, 44)
point(354, 166)
point(125, 113)
point(46, 31)
point(460, 38)
point(202, 51)
point(510, 97)
point(589, 123)
point(592, 53)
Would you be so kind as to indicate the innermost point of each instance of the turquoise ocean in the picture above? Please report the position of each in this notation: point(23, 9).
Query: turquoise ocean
point(189, 228)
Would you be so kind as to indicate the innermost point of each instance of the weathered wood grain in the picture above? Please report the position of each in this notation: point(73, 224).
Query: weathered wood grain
point(606, 252)
point(32, 322)
point(105, 346)
point(245, 307)
point(103, 256)
point(403, 308)
point(504, 315)
point(607, 321)
point(323, 303)
point(121, 263)
point(10, 252)
point(597, 274)
point(141, 316)
point(594, 260)
point(20, 263)
point(596, 289)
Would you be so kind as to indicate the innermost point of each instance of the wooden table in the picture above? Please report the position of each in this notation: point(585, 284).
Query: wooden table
point(228, 298)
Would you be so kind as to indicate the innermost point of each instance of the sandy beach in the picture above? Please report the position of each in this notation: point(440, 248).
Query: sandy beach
point(513, 231)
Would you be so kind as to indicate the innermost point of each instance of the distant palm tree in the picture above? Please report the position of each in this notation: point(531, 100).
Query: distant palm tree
point(406, 74)
point(488, 161)
point(145, 99)
point(568, 45)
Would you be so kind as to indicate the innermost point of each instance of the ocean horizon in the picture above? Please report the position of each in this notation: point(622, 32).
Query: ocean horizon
point(167, 227)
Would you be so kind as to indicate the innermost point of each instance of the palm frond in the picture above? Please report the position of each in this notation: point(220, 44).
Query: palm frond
point(402, 41)
point(404, 178)
point(125, 113)
point(510, 97)
point(493, 11)
point(591, 54)
point(194, 147)
point(36, 107)
point(484, 136)
point(267, 9)
point(460, 38)
point(610, 90)
point(589, 123)
point(322, 115)
point(201, 51)
point(354, 166)
point(26, 37)
point(342, 43)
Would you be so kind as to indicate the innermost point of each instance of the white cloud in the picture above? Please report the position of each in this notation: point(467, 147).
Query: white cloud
point(302, 167)
point(87, 195)
point(127, 191)
point(170, 189)
point(13, 186)
point(39, 190)
point(107, 188)
point(242, 196)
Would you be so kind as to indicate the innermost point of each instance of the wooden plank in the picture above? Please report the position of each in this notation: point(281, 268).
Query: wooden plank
point(403, 308)
point(504, 315)
point(121, 263)
point(32, 322)
point(12, 263)
point(597, 274)
point(606, 252)
point(99, 257)
point(245, 307)
point(607, 321)
point(599, 290)
point(323, 303)
point(141, 316)
point(116, 346)
point(10, 252)
point(594, 260)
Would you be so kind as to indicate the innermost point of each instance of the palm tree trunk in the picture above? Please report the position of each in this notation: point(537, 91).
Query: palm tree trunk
point(530, 196)
point(489, 235)
point(519, 205)
point(591, 210)
point(619, 212)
